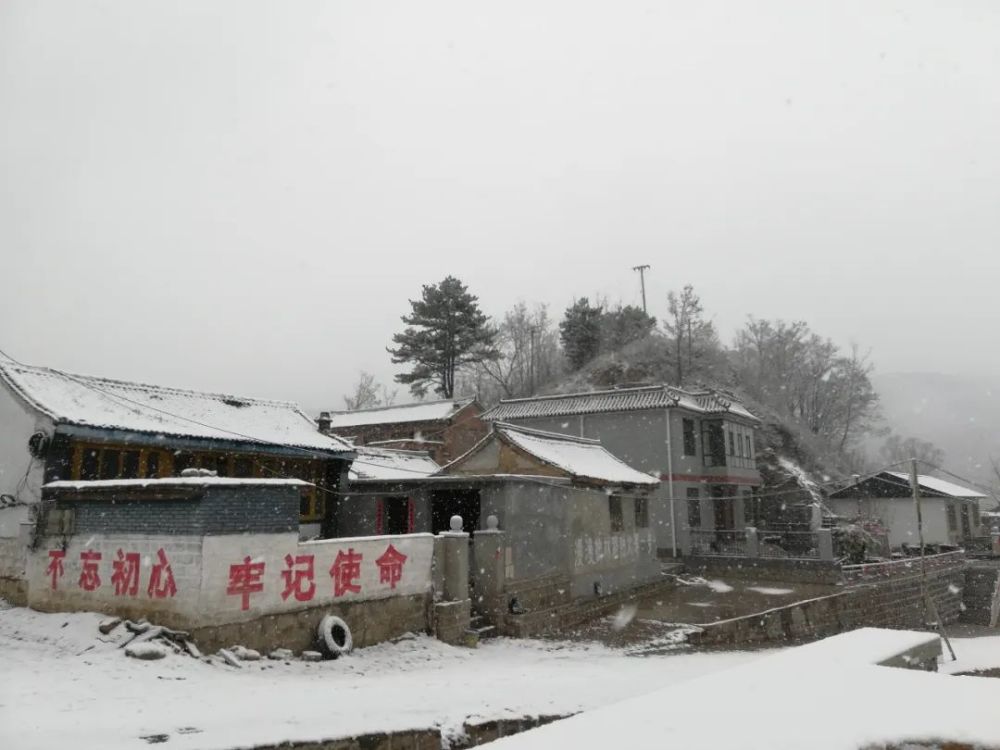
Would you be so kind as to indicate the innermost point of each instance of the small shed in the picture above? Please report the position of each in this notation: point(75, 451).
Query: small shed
point(950, 512)
point(569, 507)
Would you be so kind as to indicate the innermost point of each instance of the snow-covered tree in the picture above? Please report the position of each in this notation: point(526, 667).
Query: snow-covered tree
point(580, 332)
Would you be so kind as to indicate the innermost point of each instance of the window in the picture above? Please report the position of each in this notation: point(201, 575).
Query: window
point(966, 531)
point(221, 465)
point(89, 464)
point(952, 518)
point(694, 508)
point(732, 444)
point(690, 443)
point(305, 506)
point(152, 465)
point(182, 461)
point(130, 465)
point(641, 513)
point(243, 467)
point(749, 511)
point(748, 452)
point(615, 511)
point(975, 515)
point(715, 444)
point(109, 464)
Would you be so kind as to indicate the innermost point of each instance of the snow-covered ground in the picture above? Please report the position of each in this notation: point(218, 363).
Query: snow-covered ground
point(61, 687)
point(827, 695)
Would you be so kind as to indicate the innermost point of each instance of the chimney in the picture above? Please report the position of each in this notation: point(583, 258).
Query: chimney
point(324, 422)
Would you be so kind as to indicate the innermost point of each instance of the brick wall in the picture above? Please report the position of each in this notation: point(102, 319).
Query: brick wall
point(218, 510)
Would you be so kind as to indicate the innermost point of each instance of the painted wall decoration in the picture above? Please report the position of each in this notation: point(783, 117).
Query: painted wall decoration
point(217, 579)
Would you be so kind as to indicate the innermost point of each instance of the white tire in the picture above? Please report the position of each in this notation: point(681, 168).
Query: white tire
point(335, 636)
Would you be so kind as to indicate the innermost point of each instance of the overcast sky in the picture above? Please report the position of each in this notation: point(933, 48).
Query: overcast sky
point(241, 196)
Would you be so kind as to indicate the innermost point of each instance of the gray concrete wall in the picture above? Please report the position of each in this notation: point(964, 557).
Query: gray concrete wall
point(567, 530)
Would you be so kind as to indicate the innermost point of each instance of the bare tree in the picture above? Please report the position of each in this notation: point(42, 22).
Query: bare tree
point(529, 348)
point(368, 393)
point(694, 343)
point(897, 449)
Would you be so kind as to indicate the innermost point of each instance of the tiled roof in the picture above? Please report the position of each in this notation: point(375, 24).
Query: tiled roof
point(134, 407)
point(427, 411)
point(617, 400)
point(580, 458)
point(381, 463)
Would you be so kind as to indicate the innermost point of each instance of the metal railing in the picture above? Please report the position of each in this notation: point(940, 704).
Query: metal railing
point(902, 567)
point(722, 542)
point(792, 545)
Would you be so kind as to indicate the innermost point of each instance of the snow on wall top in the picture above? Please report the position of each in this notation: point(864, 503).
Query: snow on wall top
point(126, 484)
point(430, 411)
point(134, 407)
point(374, 463)
point(933, 484)
point(580, 457)
point(618, 399)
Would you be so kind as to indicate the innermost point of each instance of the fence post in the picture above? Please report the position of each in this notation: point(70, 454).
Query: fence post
point(452, 615)
point(753, 542)
point(488, 571)
point(824, 542)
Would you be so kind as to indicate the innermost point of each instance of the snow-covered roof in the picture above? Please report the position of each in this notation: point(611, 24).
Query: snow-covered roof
point(383, 464)
point(425, 411)
point(618, 400)
point(134, 407)
point(940, 486)
point(579, 457)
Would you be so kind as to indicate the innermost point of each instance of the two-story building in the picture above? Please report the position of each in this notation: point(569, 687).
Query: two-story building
point(55, 425)
point(699, 443)
point(443, 429)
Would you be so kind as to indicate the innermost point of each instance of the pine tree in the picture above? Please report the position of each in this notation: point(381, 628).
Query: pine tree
point(580, 332)
point(445, 332)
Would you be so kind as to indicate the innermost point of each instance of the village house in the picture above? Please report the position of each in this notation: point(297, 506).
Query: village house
point(445, 429)
point(950, 512)
point(700, 444)
point(61, 426)
point(568, 507)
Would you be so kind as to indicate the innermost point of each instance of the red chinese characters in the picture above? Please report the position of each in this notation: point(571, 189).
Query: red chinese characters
point(161, 579)
point(345, 570)
point(390, 566)
point(299, 578)
point(245, 578)
point(90, 577)
point(55, 569)
point(125, 573)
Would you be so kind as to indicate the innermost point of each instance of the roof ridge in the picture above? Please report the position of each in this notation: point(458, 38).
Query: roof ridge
point(545, 434)
point(577, 394)
point(463, 401)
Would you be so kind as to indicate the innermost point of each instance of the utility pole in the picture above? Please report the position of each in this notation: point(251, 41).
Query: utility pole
point(929, 606)
point(533, 330)
point(642, 281)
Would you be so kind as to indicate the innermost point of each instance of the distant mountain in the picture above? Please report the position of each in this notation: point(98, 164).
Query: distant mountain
point(958, 413)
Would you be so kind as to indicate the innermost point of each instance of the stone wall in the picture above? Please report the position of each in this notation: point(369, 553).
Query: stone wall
point(776, 569)
point(982, 593)
point(370, 622)
point(548, 607)
point(890, 602)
